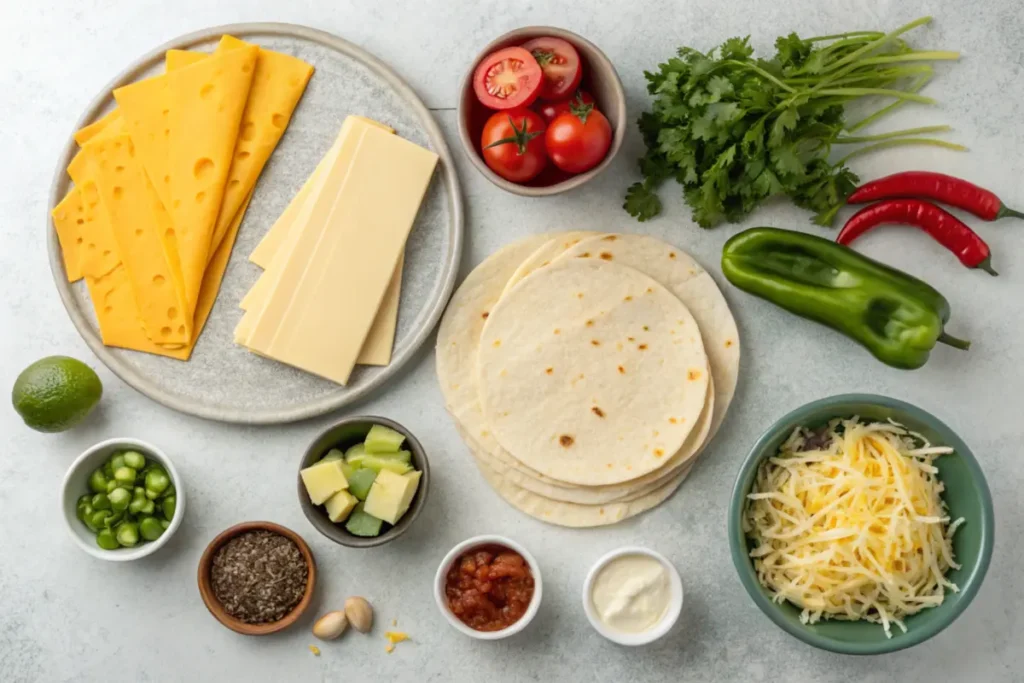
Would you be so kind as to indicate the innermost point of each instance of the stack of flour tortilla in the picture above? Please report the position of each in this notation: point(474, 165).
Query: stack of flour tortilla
point(586, 372)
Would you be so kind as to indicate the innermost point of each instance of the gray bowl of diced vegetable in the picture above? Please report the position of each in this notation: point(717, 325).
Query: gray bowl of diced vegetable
point(363, 481)
point(122, 499)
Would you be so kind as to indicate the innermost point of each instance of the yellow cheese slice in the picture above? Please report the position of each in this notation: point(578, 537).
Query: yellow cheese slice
point(86, 133)
point(145, 110)
point(263, 254)
point(206, 104)
point(69, 222)
point(278, 82)
point(118, 315)
point(331, 288)
point(140, 223)
point(179, 59)
point(98, 253)
point(380, 341)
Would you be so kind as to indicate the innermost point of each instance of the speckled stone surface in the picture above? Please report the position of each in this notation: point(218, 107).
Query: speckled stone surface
point(67, 617)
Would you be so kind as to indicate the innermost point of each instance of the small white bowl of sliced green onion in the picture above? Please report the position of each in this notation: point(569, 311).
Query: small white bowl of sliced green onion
point(122, 499)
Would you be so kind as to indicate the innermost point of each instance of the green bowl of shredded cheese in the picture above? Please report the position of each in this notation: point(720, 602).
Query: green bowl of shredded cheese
point(861, 524)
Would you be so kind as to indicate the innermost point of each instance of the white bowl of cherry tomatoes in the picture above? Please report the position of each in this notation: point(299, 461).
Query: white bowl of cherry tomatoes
point(542, 111)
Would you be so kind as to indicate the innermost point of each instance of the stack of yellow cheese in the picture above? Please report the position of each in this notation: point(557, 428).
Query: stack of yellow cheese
point(161, 185)
point(328, 297)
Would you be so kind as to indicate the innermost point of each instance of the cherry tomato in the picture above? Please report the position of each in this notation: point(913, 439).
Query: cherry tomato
point(507, 79)
point(578, 139)
point(512, 144)
point(551, 110)
point(561, 64)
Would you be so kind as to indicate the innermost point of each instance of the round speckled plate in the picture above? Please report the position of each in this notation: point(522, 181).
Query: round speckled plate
point(223, 381)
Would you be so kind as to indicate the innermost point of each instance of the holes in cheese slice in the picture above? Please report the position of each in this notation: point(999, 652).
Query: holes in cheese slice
point(279, 120)
point(203, 168)
point(206, 91)
point(118, 192)
point(248, 131)
point(200, 196)
point(172, 312)
point(158, 279)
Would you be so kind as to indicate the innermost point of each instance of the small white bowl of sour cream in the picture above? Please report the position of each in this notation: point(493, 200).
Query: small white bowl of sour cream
point(633, 596)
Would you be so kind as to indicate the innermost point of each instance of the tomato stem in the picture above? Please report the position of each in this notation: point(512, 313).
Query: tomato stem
point(579, 108)
point(520, 137)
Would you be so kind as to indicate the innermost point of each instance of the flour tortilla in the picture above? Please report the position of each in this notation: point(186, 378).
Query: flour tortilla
point(591, 372)
point(507, 467)
point(573, 515)
point(547, 253)
point(683, 276)
point(457, 341)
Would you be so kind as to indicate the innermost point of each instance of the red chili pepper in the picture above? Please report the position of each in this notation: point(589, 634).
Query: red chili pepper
point(936, 186)
point(947, 229)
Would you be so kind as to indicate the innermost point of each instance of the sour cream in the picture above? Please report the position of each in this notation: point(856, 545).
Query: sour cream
point(631, 593)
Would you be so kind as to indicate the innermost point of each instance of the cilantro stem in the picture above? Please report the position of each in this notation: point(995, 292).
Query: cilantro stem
point(894, 134)
point(851, 34)
point(883, 92)
point(872, 76)
point(875, 44)
point(915, 56)
point(759, 71)
point(889, 108)
point(899, 142)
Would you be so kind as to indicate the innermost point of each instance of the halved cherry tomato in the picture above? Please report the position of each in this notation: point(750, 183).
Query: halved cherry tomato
point(507, 79)
point(579, 139)
point(512, 144)
point(561, 64)
point(551, 110)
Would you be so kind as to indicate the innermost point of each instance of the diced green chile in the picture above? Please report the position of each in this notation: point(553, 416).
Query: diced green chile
point(128, 534)
point(156, 483)
point(119, 499)
point(135, 460)
point(168, 506)
point(98, 481)
point(107, 540)
point(150, 528)
point(100, 502)
point(125, 476)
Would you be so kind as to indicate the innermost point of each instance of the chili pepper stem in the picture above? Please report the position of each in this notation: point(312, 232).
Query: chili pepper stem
point(1007, 212)
point(956, 343)
point(986, 265)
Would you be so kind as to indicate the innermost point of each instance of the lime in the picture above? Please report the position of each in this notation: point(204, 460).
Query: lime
point(56, 393)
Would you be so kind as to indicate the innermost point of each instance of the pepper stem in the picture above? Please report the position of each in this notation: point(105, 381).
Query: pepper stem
point(1007, 212)
point(956, 343)
point(986, 265)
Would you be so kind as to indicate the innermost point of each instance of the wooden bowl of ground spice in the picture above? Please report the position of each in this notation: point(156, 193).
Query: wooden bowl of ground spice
point(257, 578)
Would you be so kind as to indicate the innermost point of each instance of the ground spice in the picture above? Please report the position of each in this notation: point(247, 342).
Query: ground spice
point(259, 576)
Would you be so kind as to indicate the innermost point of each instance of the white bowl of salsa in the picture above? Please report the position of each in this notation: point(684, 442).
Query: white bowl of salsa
point(488, 587)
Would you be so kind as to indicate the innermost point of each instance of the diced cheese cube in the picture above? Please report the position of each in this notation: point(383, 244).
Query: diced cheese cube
point(340, 505)
point(391, 495)
point(323, 480)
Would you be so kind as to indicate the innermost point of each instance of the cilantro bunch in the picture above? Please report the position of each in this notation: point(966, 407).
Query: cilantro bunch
point(735, 130)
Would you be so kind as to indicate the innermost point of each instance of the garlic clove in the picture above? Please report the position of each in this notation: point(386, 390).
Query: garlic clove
point(330, 625)
point(359, 613)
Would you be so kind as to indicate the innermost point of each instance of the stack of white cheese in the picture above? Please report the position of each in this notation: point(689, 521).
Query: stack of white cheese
point(328, 297)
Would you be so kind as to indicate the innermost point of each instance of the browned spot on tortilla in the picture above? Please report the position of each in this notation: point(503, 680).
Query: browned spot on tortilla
point(585, 254)
point(658, 452)
point(646, 329)
point(503, 372)
point(558, 331)
point(594, 342)
point(497, 343)
point(609, 465)
point(628, 298)
point(622, 370)
point(673, 420)
point(545, 264)
point(671, 254)
point(642, 347)
point(484, 432)
point(650, 291)
point(581, 376)
point(618, 346)
point(455, 386)
point(549, 370)
point(656, 432)
point(484, 315)
point(566, 440)
point(590, 323)
point(571, 243)
point(600, 511)
point(632, 339)
point(609, 238)
point(671, 331)
point(680, 322)
point(597, 411)
point(693, 374)
point(728, 343)
point(606, 256)
point(629, 467)
point(579, 295)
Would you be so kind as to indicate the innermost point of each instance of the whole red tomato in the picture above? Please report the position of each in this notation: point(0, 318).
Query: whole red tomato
point(579, 139)
point(512, 144)
point(551, 110)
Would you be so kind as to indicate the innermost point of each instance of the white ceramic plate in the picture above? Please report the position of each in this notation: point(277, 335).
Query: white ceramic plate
point(223, 381)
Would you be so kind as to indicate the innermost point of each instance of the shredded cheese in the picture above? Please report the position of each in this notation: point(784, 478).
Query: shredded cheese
point(851, 524)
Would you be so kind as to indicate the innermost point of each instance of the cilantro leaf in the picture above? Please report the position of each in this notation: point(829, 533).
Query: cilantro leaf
point(642, 203)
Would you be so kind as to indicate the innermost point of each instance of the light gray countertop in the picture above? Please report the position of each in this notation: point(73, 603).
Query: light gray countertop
point(65, 616)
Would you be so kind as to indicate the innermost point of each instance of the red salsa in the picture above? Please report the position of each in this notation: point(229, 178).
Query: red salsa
point(489, 588)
